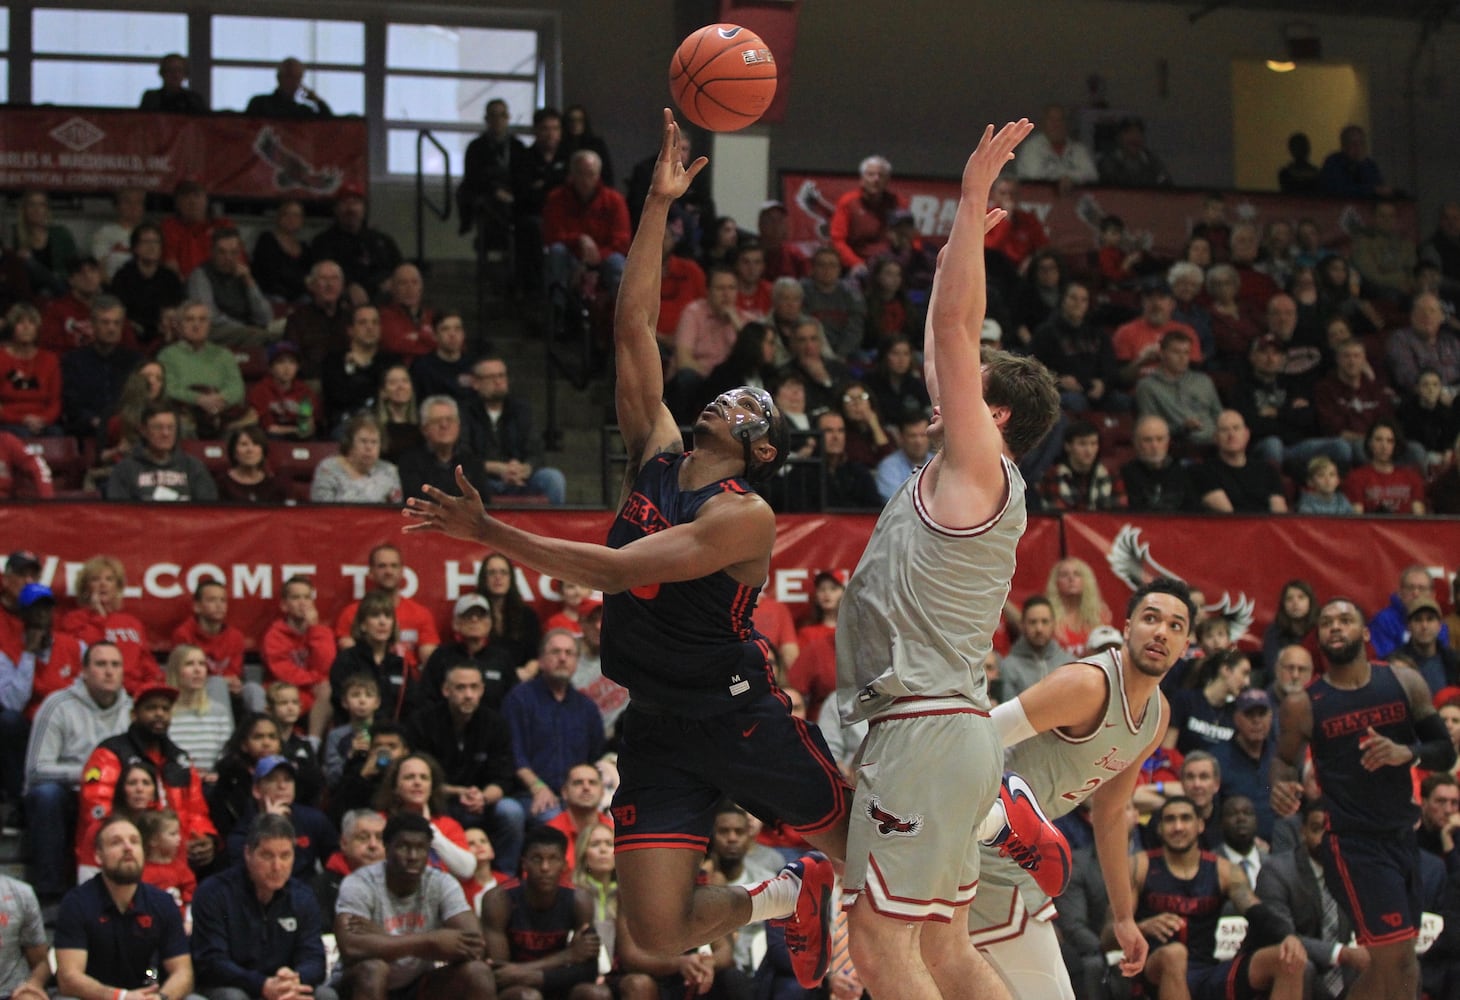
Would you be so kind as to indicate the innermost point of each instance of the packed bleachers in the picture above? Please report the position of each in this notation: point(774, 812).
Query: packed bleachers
point(1249, 372)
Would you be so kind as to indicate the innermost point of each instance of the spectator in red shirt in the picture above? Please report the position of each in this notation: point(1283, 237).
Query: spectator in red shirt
point(752, 291)
point(585, 226)
point(299, 650)
point(406, 326)
point(285, 404)
point(1138, 343)
point(17, 465)
point(221, 643)
point(66, 324)
point(1021, 233)
point(782, 259)
point(187, 237)
point(858, 228)
point(681, 281)
point(418, 637)
point(99, 588)
point(1382, 486)
point(30, 377)
point(582, 794)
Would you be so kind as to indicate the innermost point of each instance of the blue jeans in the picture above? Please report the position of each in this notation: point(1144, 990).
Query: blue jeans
point(14, 731)
point(1298, 454)
point(50, 818)
point(562, 265)
point(504, 824)
point(547, 481)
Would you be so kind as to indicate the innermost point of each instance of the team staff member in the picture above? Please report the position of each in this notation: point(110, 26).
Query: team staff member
point(116, 936)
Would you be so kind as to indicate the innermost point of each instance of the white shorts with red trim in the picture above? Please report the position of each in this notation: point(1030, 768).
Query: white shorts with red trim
point(928, 774)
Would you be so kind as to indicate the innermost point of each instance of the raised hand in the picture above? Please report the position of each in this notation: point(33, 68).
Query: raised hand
point(671, 177)
point(995, 150)
point(460, 517)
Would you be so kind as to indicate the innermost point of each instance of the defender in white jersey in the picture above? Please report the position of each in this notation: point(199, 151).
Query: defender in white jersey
point(1097, 720)
point(917, 620)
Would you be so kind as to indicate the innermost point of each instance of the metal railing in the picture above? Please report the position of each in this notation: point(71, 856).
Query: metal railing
point(423, 202)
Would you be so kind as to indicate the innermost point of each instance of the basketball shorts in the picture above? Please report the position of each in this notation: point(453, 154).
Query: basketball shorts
point(1223, 981)
point(674, 771)
point(1375, 877)
point(928, 774)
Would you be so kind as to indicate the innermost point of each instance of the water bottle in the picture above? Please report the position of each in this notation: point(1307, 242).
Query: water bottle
point(306, 419)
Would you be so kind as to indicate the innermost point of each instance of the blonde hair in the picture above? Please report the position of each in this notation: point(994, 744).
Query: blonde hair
point(94, 567)
point(173, 673)
point(1091, 606)
point(587, 881)
point(1318, 463)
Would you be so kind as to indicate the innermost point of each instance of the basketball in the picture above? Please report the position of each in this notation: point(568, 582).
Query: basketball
point(723, 77)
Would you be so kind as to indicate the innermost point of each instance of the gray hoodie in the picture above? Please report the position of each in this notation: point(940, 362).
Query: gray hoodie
point(67, 727)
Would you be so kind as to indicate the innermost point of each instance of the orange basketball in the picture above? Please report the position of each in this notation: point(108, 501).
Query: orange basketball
point(723, 77)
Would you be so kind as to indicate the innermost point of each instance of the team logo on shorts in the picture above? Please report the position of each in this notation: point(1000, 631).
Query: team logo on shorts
point(891, 824)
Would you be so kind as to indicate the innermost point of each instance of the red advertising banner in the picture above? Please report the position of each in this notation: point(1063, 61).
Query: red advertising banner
point(1158, 220)
point(253, 551)
point(83, 149)
point(1241, 563)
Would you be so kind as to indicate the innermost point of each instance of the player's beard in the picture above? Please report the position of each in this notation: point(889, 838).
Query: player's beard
point(1342, 656)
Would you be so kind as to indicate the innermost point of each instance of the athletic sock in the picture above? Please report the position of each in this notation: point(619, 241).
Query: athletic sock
point(775, 897)
point(993, 824)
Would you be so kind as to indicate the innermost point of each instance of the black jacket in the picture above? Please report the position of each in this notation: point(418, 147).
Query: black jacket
point(480, 755)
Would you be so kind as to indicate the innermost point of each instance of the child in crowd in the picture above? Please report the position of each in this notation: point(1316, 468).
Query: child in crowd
point(361, 697)
point(577, 602)
point(287, 407)
point(166, 864)
point(299, 650)
point(286, 707)
point(221, 643)
point(1116, 261)
point(1321, 495)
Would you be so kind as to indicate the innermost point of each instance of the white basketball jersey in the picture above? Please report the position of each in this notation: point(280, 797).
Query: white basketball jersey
point(919, 613)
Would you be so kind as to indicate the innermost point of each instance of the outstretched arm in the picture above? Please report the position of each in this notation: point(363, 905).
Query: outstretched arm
point(644, 421)
point(956, 309)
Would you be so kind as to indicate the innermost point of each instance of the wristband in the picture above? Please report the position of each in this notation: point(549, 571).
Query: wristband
point(119, 995)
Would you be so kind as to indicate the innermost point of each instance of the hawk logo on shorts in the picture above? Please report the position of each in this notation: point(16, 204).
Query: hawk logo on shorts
point(891, 824)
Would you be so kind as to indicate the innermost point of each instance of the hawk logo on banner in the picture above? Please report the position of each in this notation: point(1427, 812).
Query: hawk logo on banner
point(292, 171)
point(1131, 561)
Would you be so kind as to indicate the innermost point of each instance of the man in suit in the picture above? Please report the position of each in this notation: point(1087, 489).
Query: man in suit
point(1292, 884)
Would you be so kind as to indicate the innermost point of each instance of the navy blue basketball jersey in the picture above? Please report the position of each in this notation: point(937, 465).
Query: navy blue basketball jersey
point(536, 934)
point(687, 647)
point(1361, 801)
point(1198, 899)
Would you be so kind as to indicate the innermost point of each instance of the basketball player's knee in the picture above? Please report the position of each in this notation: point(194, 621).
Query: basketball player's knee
point(657, 933)
point(1167, 962)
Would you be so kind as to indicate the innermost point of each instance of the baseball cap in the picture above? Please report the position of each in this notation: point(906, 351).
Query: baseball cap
point(1103, 637)
point(466, 602)
point(22, 561)
point(1252, 698)
point(350, 189)
point(828, 576)
point(32, 593)
point(170, 693)
point(268, 765)
point(283, 347)
point(991, 332)
point(1419, 604)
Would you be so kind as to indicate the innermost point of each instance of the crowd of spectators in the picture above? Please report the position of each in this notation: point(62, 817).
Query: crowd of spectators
point(402, 782)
